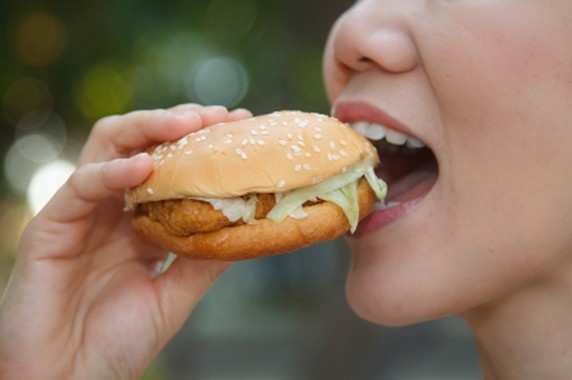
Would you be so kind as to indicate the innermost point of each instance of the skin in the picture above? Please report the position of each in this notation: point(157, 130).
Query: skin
point(487, 85)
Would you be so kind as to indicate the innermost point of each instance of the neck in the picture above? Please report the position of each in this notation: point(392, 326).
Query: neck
point(527, 335)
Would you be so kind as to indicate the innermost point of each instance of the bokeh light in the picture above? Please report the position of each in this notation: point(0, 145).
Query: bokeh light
point(104, 90)
point(18, 169)
point(27, 97)
point(13, 219)
point(46, 181)
point(40, 39)
point(36, 148)
point(47, 130)
point(220, 80)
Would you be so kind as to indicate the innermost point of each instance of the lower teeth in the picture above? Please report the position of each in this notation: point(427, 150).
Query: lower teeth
point(379, 206)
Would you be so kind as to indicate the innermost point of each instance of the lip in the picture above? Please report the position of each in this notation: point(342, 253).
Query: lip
point(378, 220)
point(350, 111)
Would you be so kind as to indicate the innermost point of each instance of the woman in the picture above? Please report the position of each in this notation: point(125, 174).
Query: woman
point(479, 225)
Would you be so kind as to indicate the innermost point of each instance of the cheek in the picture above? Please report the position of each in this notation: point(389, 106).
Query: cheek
point(496, 55)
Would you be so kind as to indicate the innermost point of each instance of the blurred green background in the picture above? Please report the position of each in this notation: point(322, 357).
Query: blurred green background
point(65, 64)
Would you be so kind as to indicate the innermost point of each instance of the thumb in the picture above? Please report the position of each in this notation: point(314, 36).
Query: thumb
point(183, 285)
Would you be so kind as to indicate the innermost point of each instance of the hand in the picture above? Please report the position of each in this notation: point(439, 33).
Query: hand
point(87, 299)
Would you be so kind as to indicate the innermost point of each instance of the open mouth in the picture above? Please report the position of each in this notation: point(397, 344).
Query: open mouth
point(407, 166)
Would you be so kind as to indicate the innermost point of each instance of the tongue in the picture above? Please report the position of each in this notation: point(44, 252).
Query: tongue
point(413, 185)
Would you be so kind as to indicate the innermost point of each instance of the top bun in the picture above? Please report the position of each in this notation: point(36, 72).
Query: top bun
point(271, 153)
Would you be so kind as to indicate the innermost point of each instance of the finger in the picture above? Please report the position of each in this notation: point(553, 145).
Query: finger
point(183, 285)
point(94, 182)
point(120, 136)
point(209, 114)
point(240, 113)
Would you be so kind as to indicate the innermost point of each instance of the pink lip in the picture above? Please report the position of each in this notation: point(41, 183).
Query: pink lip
point(349, 111)
point(380, 219)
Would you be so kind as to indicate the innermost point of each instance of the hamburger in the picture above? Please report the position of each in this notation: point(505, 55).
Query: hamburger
point(257, 187)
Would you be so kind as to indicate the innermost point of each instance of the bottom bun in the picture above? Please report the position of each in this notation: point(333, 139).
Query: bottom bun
point(325, 221)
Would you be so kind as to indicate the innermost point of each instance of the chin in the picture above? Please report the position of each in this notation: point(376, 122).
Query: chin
point(375, 304)
point(393, 292)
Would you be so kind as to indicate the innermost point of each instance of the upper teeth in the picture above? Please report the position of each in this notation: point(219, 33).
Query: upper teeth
point(377, 132)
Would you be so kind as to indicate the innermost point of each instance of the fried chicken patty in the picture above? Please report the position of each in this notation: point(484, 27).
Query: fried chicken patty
point(184, 217)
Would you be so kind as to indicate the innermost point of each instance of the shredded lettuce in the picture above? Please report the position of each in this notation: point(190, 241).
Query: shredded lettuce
point(234, 208)
point(347, 199)
point(377, 184)
point(340, 189)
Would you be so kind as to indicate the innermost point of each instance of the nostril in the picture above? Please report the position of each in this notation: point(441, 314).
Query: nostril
point(363, 64)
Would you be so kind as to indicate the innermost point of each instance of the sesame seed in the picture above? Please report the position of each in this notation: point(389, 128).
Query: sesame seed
point(343, 153)
point(188, 152)
point(344, 142)
point(332, 145)
point(289, 156)
point(254, 132)
point(281, 183)
point(150, 191)
point(317, 149)
point(260, 142)
point(333, 157)
point(282, 142)
point(317, 136)
point(298, 168)
point(296, 148)
point(307, 167)
point(182, 142)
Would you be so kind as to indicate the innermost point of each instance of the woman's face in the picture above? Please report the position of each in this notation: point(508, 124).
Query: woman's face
point(487, 86)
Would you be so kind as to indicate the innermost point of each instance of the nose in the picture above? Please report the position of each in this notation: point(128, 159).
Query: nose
point(372, 35)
